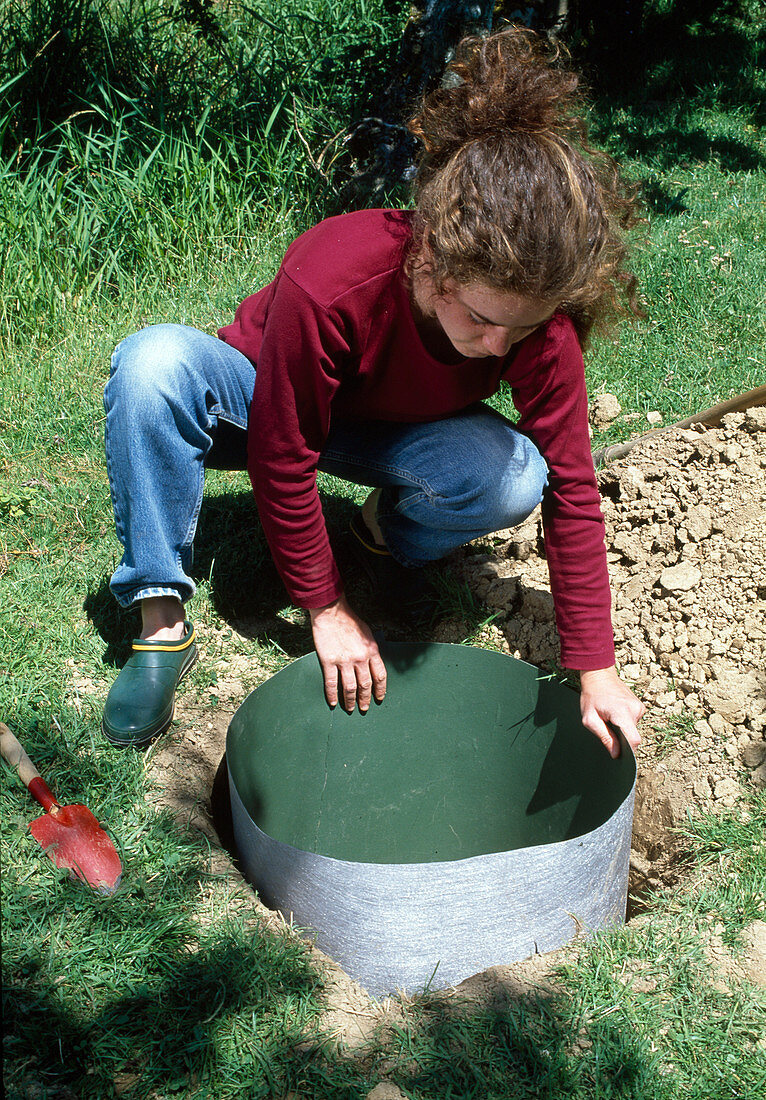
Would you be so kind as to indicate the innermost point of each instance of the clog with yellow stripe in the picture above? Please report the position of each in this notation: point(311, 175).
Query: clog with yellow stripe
point(141, 702)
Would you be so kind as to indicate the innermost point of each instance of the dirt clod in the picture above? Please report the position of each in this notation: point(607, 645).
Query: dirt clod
point(604, 410)
point(386, 1090)
point(753, 961)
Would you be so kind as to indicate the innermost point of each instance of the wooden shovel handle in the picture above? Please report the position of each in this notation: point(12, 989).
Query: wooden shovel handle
point(711, 418)
point(12, 750)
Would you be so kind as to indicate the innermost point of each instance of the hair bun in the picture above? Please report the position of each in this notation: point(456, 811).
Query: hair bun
point(509, 192)
point(509, 82)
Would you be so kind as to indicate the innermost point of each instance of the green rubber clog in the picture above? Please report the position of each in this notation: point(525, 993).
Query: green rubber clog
point(141, 701)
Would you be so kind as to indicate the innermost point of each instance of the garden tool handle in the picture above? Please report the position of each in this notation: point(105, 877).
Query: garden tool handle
point(13, 751)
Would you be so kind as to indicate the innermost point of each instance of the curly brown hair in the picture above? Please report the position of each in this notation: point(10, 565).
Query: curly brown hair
point(509, 192)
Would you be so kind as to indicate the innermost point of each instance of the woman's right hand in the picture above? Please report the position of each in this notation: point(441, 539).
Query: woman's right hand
point(351, 663)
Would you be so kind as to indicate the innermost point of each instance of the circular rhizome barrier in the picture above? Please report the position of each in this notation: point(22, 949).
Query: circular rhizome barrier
point(467, 822)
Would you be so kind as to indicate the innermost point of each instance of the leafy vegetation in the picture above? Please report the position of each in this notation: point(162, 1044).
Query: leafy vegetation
point(154, 167)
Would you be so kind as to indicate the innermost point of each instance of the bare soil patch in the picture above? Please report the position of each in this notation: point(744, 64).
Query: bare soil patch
point(686, 543)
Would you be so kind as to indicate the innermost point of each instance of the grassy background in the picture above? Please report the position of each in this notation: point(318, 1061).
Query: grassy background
point(154, 168)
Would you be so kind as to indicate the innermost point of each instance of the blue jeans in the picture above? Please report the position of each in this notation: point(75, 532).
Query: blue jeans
point(178, 400)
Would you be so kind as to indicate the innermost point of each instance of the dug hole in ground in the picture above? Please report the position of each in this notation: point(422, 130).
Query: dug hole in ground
point(686, 542)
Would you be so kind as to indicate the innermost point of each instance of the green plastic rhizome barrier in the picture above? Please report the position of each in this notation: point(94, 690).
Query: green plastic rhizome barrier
point(470, 820)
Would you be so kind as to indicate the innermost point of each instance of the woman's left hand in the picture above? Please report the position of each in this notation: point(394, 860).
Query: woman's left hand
point(605, 700)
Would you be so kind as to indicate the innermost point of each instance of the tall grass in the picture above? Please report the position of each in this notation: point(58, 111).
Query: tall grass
point(143, 140)
point(150, 147)
point(102, 214)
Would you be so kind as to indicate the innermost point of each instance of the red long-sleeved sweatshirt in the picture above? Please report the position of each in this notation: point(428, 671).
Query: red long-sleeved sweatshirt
point(334, 336)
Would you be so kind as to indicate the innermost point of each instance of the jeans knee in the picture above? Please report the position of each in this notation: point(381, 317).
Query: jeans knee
point(519, 490)
point(501, 489)
point(149, 369)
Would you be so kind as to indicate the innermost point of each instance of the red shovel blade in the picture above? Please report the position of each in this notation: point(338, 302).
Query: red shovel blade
point(74, 839)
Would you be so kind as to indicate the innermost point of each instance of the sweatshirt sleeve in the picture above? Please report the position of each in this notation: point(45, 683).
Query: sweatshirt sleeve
point(302, 356)
point(550, 395)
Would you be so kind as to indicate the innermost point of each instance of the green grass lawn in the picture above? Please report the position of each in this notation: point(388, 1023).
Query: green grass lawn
point(170, 199)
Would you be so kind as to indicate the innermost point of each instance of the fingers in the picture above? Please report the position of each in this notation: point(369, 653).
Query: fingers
point(330, 676)
point(355, 684)
point(626, 719)
point(608, 705)
point(362, 683)
point(607, 731)
point(379, 679)
point(363, 694)
point(353, 671)
point(607, 735)
point(370, 683)
point(632, 736)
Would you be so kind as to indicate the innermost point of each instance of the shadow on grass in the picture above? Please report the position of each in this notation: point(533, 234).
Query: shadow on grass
point(143, 993)
point(688, 51)
point(680, 145)
point(234, 1019)
point(528, 1045)
point(232, 557)
point(134, 995)
point(173, 1031)
point(653, 71)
